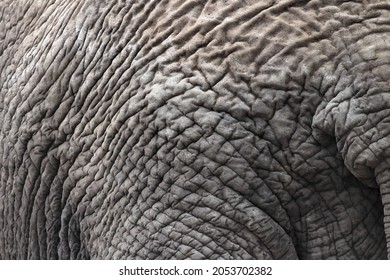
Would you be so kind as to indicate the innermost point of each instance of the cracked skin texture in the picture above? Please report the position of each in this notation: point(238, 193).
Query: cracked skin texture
point(193, 129)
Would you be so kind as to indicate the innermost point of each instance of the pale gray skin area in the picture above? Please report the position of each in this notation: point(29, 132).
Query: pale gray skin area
point(194, 129)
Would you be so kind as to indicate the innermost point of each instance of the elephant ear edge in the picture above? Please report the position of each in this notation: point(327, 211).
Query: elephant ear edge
point(358, 126)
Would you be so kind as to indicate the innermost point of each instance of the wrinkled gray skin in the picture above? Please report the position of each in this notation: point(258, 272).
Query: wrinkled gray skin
point(194, 129)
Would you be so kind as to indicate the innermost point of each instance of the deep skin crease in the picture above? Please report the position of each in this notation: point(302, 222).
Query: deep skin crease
point(194, 129)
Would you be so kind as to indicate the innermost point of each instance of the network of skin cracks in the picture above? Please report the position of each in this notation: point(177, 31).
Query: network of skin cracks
point(193, 129)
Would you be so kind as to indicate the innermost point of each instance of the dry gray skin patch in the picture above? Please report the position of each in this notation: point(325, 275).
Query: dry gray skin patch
point(192, 129)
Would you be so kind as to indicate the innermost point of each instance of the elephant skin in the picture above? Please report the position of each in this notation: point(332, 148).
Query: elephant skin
point(194, 129)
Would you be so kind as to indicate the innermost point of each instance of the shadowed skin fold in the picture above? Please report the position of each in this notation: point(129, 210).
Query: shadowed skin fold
point(194, 129)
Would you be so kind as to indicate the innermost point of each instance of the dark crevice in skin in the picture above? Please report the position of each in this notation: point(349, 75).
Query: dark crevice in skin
point(177, 114)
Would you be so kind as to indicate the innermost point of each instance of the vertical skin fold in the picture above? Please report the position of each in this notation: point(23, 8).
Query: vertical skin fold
point(382, 176)
point(194, 129)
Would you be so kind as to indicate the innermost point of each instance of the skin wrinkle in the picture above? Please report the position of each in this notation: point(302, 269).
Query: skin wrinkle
point(248, 162)
point(126, 116)
point(203, 233)
point(225, 183)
